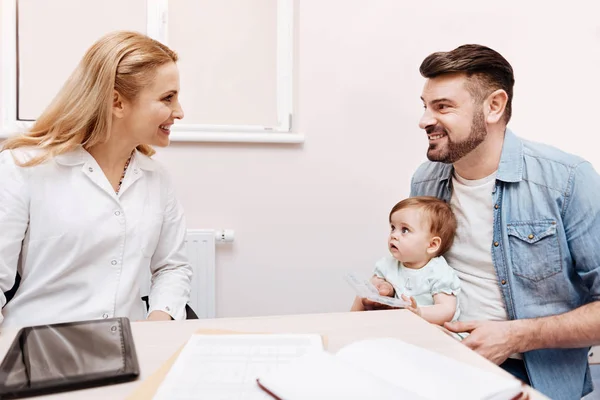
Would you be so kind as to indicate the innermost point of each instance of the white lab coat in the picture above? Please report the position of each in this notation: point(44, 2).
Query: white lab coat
point(80, 248)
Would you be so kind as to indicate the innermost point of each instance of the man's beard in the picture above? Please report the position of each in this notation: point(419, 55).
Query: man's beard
point(454, 151)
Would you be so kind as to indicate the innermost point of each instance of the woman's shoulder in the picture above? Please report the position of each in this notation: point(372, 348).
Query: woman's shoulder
point(15, 159)
point(153, 169)
point(148, 163)
point(18, 156)
point(11, 169)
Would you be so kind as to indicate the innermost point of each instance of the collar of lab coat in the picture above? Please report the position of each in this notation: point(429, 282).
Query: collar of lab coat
point(79, 156)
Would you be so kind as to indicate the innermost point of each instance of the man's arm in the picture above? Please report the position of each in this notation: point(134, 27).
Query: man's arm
point(581, 220)
point(496, 340)
point(577, 328)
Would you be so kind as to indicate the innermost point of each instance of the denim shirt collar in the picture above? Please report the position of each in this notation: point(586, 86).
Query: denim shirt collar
point(446, 173)
point(510, 168)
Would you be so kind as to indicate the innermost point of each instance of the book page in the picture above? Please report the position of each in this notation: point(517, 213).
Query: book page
point(324, 376)
point(429, 374)
point(227, 366)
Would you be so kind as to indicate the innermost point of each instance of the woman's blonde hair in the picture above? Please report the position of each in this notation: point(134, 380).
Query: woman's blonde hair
point(81, 112)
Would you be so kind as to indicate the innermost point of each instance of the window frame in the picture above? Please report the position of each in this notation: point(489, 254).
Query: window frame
point(157, 15)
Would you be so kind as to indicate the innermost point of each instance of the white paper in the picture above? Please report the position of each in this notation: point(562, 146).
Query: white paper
point(422, 371)
point(224, 367)
point(324, 376)
point(387, 369)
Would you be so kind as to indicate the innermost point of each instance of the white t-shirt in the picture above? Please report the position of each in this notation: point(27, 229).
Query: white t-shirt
point(470, 255)
point(435, 277)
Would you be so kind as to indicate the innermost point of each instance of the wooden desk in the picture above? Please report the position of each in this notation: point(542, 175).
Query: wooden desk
point(157, 341)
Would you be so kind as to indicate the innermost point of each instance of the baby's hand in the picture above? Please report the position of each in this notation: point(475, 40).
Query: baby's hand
point(383, 287)
point(413, 304)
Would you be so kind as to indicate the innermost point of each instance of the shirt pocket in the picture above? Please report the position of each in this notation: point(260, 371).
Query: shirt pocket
point(534, 249)
point(150, 229)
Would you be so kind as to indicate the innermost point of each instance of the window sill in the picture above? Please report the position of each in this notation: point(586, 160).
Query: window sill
point(226, 137)
point(237, 137)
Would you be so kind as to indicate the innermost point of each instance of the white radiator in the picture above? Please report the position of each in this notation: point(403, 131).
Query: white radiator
point(200, 246)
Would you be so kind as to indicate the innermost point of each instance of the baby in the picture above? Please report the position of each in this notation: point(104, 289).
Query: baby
point(422, 230)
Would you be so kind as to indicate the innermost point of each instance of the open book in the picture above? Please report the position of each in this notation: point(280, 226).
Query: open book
point(226, 366)
point(385, 369)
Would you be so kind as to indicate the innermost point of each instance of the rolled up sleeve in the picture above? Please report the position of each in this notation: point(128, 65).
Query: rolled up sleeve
point(581, 218)
point(170, 268)
point(14, 218)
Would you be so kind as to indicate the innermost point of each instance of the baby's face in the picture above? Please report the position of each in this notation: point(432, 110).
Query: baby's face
point(409, 236)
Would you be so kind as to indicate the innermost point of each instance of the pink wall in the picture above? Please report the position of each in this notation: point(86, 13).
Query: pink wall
point(304, 215)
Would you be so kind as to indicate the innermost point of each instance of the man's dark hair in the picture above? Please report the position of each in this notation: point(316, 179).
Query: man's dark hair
point(486, 69)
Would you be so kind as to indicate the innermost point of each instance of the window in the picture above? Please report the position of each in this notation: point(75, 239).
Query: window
point(235, 59)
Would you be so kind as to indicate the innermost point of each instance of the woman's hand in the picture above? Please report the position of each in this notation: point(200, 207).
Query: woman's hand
point(157, 315)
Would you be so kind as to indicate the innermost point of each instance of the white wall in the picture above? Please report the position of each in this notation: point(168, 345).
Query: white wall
point(305, 215)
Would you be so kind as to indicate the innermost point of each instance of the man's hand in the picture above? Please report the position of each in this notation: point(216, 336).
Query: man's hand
point(494, 340)
point(384, 288)
point(158, 315)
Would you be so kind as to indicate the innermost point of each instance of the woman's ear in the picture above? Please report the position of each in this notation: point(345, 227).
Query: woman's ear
point(118, 105)
point(496, 105)
point(434, 245)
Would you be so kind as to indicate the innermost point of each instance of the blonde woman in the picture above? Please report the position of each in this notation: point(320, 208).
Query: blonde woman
point(83, 207)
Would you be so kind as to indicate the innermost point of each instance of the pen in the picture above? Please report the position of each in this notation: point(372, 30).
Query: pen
point(273, 395)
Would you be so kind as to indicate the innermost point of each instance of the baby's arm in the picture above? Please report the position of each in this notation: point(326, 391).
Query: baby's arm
point(357, 305)
point(441, 311)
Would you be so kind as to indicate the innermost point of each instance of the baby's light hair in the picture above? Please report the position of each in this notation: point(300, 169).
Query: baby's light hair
point(442, 221)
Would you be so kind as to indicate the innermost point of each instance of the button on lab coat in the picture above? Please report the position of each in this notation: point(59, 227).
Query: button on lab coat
point(80, 248)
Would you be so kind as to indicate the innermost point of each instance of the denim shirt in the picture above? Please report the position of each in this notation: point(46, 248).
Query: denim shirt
point(546, 246)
